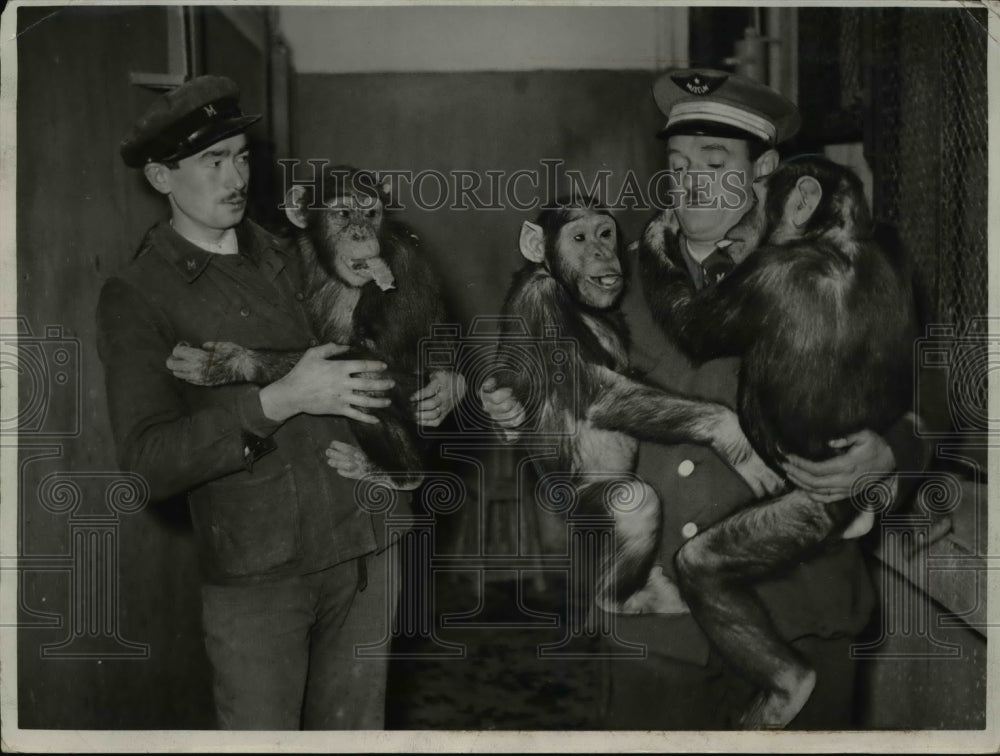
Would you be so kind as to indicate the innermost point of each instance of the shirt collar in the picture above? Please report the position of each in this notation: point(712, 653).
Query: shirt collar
point(697, 269)
point(227, 244)
point(693, 266)
point(190, 260)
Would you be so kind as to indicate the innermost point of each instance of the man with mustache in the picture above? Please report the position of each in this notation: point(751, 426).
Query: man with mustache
point(294, 571)
point(721, 134)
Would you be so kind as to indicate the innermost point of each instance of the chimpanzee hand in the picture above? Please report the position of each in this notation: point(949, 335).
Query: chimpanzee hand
point(863, 453)
point(502, 408)
point(349, 461)
point(217, 363)
point(320, 386)
point(352, 463)
point(732, 445)
point(435, 401)
point(763, 481)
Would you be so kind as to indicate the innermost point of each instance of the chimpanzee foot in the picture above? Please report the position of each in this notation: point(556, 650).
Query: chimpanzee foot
point(660, 595)
point(352, 463)
point(775, 709)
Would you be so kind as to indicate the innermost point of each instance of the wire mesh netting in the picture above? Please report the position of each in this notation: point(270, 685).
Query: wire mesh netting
point(926, 135)
point(928, 150)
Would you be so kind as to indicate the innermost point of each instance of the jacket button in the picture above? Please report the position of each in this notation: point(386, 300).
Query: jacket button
point(690, 530)
point(300, 296)
point(313, 342)
point(685, 468)
point(245, 312)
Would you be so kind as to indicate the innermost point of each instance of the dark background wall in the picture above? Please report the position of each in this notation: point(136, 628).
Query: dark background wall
point(591, 120)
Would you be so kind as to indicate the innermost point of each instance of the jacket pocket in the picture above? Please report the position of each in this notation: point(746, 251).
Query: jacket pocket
point(248, 526)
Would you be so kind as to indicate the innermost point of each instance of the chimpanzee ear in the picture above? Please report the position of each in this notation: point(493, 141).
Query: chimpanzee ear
point(532, 242)
point(804, 200)
point(295, 202)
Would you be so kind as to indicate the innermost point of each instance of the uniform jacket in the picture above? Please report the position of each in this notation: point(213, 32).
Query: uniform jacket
point(263, 501)
point(827, 594)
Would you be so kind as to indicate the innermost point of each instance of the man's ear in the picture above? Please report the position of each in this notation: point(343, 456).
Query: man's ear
point(158, 176)
point(803, 200)
point(766, 163)
point(295, 205)
point(532, 242)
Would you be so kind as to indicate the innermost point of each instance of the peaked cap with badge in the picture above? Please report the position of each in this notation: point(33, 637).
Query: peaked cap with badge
point(186, 120)
point(717, 103)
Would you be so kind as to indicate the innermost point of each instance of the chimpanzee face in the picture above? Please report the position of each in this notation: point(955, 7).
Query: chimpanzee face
point(716, 173)
point(349, 228)
point(586, 259)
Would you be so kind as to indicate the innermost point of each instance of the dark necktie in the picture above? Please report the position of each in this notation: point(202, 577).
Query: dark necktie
point(716, 266)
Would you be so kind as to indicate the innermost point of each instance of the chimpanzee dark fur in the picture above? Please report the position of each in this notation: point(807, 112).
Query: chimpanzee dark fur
point(566, 362)
point(824, 323)
point(382, 325)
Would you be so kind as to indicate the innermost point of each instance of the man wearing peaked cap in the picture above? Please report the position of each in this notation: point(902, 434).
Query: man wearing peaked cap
point(726, 128)
point(186, 120)
point(703, 101)
point(294, 572)
point(721, 133)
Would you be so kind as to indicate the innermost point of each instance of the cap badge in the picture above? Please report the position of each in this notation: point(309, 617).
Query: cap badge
point(699, 83)
point(209, 110)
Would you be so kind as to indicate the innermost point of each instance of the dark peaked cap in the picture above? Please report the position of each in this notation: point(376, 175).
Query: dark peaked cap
point(186, 120)
point(717, 103)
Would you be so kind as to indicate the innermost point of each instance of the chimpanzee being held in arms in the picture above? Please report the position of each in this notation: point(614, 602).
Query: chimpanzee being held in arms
point(366, 286)
point(571, 284)
point(823, 321)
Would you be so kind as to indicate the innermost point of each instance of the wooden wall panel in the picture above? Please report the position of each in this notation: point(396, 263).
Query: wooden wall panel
point(228, 52)
point(80, 215)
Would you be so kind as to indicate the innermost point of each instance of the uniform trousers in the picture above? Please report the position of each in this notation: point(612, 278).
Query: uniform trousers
point(284, 654)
